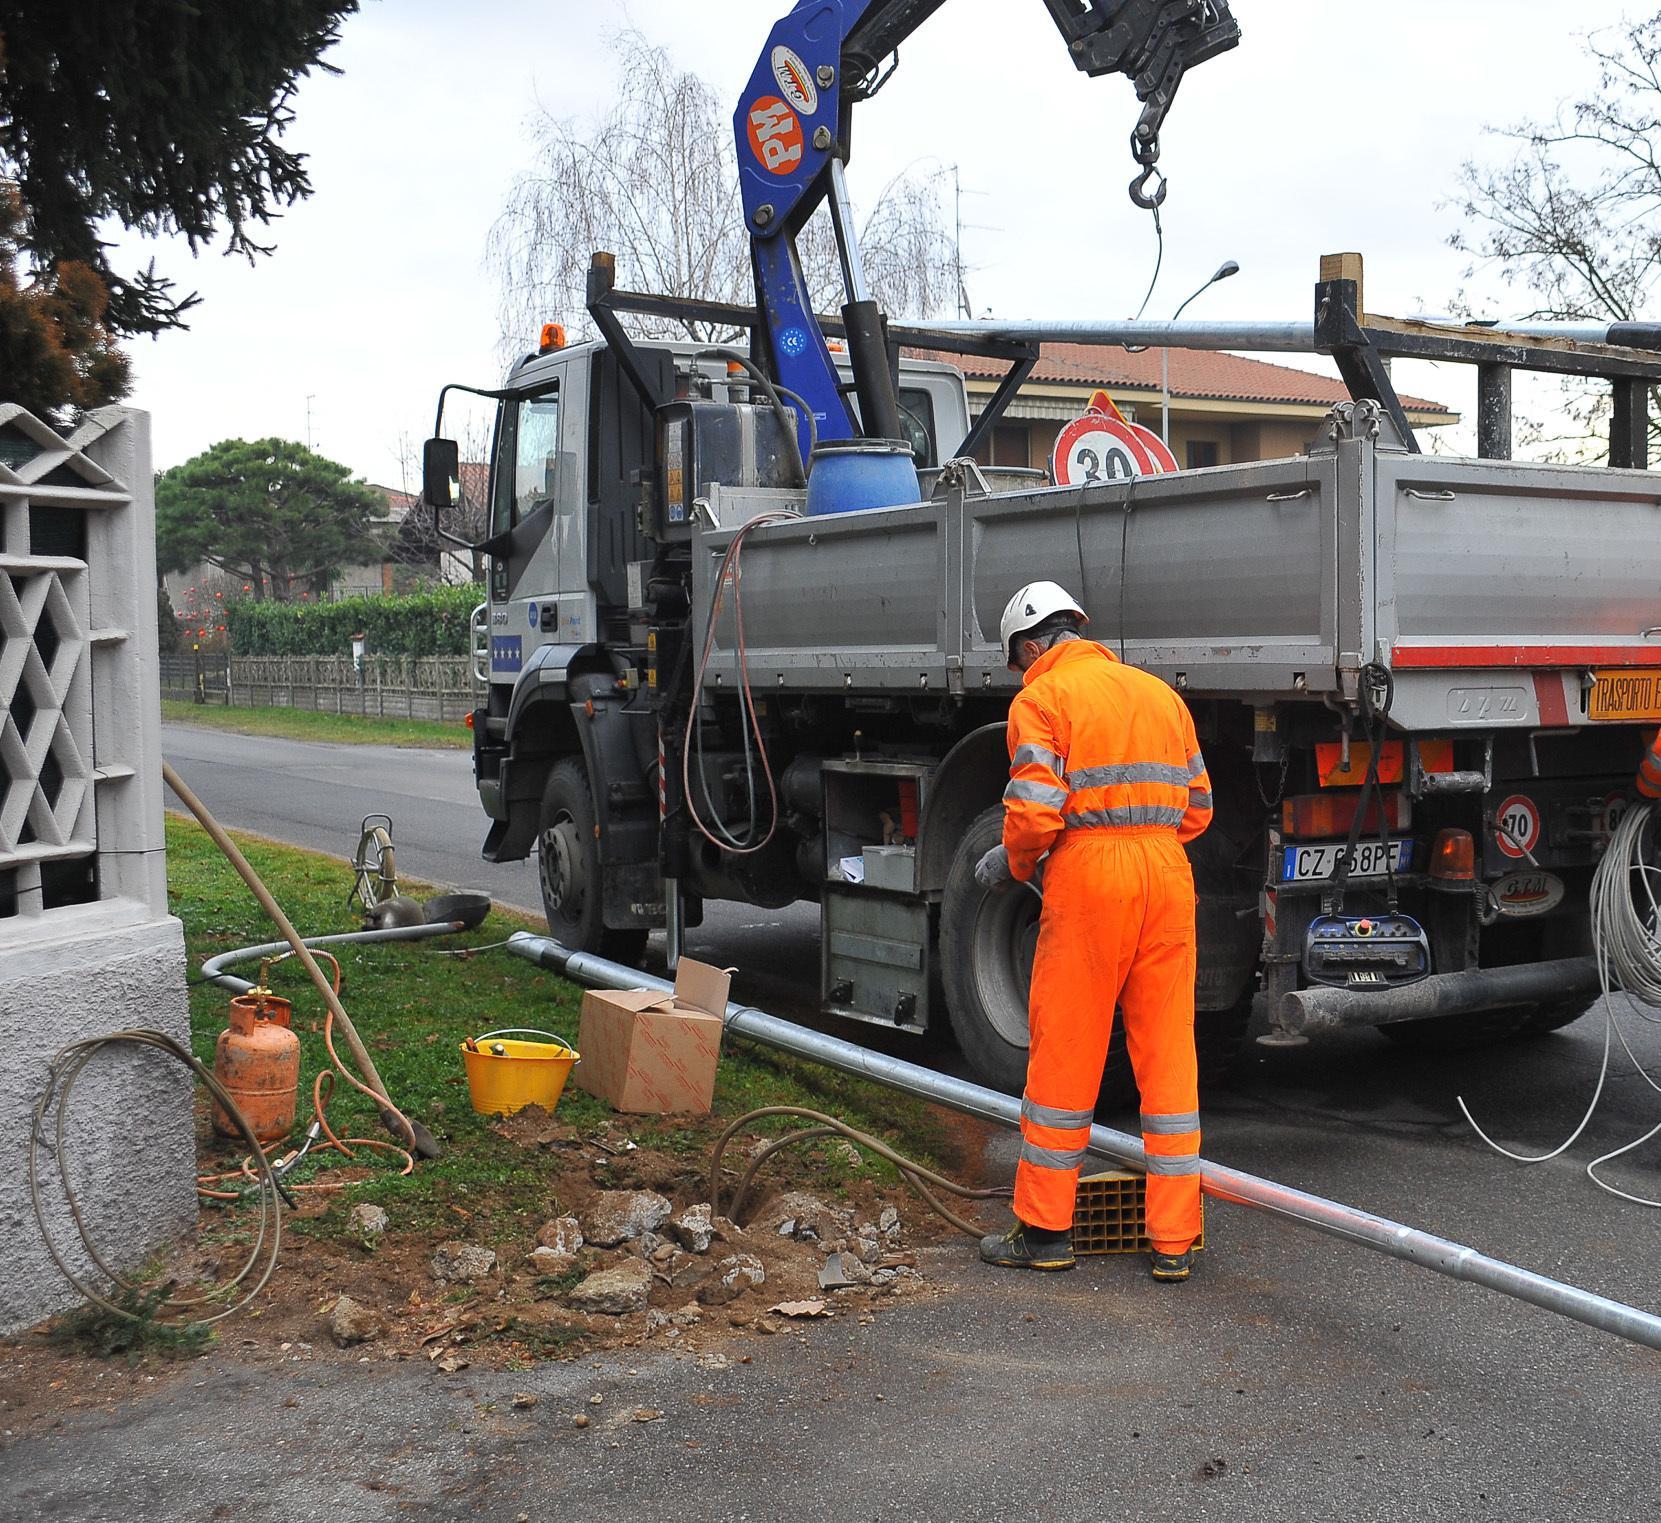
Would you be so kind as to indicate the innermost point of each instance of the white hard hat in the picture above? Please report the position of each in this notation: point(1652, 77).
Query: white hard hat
point(1030, 607)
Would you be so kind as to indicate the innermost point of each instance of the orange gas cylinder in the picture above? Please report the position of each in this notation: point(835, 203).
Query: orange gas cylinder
point(258, 1061)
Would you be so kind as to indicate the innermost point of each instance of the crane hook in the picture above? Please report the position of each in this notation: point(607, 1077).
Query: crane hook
point(1149, 200)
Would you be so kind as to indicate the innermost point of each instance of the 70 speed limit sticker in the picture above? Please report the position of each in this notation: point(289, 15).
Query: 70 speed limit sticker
point(1517, 826)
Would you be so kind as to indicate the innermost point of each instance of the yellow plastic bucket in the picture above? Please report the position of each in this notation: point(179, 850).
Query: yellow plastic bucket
point(504, 1076)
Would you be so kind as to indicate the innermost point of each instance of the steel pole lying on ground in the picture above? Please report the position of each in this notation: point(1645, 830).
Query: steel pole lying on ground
point(1353, 1226)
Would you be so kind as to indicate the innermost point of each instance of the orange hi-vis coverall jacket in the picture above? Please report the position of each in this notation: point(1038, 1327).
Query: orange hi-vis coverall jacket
point(1649, 770)
point(1106, 776)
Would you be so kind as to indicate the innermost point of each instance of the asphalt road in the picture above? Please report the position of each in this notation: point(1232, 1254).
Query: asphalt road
point(1296, 1377)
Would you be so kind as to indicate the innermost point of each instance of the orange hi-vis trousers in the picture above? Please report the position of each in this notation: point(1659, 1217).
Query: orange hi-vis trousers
point(1117, 929)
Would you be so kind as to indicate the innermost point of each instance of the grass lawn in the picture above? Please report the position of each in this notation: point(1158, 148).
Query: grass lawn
point(303, 724)
point(413, 1007)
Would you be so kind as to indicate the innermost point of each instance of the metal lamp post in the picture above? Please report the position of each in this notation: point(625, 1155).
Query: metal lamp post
point(1224, 270)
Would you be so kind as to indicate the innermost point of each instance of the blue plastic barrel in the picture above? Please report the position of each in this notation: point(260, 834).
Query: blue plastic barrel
point(849, 474)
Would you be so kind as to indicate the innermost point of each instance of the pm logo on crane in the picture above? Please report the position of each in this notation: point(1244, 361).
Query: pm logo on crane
point(775, 135)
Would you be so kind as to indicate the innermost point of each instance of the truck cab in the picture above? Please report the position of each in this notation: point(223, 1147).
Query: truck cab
point(566, 637)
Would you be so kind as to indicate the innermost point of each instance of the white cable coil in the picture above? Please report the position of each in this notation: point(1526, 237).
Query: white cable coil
point(1626, 937)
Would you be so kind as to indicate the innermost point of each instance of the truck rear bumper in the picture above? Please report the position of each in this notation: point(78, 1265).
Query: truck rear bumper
point(1304, 1011)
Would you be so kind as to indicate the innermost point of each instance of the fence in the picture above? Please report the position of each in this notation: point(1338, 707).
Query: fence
point(388, 687)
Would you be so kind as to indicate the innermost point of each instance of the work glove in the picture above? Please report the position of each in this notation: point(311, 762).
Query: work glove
point(992, 871)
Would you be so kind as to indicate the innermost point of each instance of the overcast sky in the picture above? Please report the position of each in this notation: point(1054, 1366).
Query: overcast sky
point(1333, 126)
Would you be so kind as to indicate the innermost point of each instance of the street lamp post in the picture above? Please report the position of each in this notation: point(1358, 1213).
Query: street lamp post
point(1224, 270)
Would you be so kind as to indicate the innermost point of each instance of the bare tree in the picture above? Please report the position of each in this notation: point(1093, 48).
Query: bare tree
point(655, 182)
point(1571, 216)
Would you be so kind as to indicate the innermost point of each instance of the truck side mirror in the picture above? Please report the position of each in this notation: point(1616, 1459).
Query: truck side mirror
point(440, 474)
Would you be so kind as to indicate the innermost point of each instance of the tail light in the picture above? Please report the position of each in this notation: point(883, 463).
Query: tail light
point(1333, 814)
point(1453, 856)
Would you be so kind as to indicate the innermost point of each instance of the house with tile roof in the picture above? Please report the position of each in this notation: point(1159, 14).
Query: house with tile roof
point(1223, 407)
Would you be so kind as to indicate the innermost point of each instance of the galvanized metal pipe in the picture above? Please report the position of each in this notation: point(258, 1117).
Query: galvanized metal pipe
point(1302, 1011)
point(1293, 337)
point(213, 970)
point(1331, 1217)
point(1296, 337)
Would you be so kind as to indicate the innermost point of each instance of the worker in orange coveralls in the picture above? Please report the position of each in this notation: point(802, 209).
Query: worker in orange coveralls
point(1106, 784)
point(1649, 770)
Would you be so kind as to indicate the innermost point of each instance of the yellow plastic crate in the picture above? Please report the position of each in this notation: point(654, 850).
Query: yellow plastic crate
point(1109, 1213)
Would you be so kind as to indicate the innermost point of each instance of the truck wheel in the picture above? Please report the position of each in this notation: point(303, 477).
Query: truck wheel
point(986, 947)
point(568, 867)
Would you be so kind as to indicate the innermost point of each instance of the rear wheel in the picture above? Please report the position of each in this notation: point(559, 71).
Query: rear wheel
point(986, 948)
point(568, 867)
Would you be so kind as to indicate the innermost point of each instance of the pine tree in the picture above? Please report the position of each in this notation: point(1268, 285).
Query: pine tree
point(162, 115)
point(270, 512)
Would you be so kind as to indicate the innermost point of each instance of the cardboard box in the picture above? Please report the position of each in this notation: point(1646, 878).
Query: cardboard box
point(653, 1053)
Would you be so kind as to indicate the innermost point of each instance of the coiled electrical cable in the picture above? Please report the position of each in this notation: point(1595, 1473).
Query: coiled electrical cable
point(730, 569)
point(66, 1067)
point(1626, 938)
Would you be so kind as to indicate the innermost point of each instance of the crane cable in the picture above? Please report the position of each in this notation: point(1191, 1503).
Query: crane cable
point(1626, 938)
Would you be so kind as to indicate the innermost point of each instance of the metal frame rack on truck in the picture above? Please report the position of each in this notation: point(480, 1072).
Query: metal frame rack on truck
point(739, 648)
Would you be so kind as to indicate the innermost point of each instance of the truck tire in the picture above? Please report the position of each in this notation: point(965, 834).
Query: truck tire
point(986, 946)
point(568, 869)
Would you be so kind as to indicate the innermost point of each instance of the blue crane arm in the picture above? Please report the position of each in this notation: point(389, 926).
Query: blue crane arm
point(793, 129)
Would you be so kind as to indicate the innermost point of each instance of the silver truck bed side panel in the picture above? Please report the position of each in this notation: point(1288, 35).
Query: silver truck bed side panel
point(1262, 579)
point(1500, 554)
point(1224, 577)
point(1232, 583)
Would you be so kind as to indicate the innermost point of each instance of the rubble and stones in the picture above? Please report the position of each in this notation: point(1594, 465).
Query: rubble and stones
point(563, 1234)
point(615, 1291)
point(615, 1217)
point(693, 1229)
point(465, 1262)
point(366, 1222)
point(352, 1322)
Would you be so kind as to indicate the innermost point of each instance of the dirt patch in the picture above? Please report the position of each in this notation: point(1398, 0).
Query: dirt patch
point(868, 1229)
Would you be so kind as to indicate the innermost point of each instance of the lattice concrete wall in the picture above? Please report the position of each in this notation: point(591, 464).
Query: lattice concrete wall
point(86, 943)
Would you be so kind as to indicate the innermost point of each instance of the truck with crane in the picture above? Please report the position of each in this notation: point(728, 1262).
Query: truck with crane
point(741, 628)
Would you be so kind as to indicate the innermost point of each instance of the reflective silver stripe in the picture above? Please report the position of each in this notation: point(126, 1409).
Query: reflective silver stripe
point(1048, 1115)
point(1129, 772)
point(1173, 1125)
point(1036, 793)
point(1028, 756)
point(1186, 1163)
point(1196, 767)
point(1125, 814)
point(1051, 1158)
point(1198, 800)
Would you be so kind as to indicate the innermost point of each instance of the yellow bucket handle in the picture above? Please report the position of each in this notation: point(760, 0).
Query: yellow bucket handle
point(473, 1041)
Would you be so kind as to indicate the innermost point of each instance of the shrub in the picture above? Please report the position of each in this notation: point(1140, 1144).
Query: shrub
point(431, 623)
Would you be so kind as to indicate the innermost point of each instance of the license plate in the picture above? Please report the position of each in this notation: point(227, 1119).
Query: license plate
point(1302, 864)
point(1625, 696)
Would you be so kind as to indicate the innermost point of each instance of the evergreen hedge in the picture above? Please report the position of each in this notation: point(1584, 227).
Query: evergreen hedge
point(432, 623)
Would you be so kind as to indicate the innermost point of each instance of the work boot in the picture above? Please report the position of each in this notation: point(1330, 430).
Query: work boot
point(1024, 1247)
point(1172, 1266)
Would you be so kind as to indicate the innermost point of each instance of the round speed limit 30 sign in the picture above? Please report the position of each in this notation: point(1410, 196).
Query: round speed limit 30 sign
point(1517, 826)
point(1099, 447)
